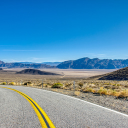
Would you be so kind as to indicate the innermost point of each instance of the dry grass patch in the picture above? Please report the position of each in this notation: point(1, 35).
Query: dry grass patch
point(12, 83)
point(123, 94)
point(80, 84)
point(102, 91)
point(68, 84)
point(89, 90)
point(77, 93)
point(57, 85)
point(28, 83)
point(3, 83)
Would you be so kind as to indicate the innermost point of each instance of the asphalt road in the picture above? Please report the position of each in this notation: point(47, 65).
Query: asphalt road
point(64, 111)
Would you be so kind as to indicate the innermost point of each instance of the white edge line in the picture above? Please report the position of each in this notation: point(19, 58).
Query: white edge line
point(89, 103)
point(84, 101)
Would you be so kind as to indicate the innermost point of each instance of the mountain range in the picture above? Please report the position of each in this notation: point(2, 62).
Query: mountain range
point(82, 63)
point(23, 65)
point(47, 63)
point(95, 63)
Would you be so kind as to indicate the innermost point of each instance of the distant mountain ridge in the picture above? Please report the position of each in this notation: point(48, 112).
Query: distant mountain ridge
point(52, 63)
point(82, 63)
point(47, 63)
point(22, 65)
point(95, 63)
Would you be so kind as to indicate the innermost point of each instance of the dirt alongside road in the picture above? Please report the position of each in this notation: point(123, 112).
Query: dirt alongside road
point(111, 102)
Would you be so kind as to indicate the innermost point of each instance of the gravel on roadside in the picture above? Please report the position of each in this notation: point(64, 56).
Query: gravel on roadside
point(110, 102)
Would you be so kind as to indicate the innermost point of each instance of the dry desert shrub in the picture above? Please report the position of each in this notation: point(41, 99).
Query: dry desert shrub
point(91, 90)
point(113, 92)
point(45, 85)
point(102, 91)
point(12, 83)
point(27, 83)
point(108, 86)
point(80, 84)
point(110, 91)
point(57, 85)
point(68, 84)
point(118, 85)
point(116, 94)
point(123, 94)
point(115, 87)
point(77, 93)
point(88, 90)
point(77, 88)
point(65, 88)
point(3, 83)
point(126, 86)
point(48, 84)
point(38, 85)
point(92, 86)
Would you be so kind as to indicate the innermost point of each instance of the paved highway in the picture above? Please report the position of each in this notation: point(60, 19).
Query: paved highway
point(16, 111)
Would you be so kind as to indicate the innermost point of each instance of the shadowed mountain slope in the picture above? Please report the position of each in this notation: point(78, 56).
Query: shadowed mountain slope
point(35, 72)
point(121, 74)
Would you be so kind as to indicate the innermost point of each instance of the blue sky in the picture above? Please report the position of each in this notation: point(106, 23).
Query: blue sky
point(59, 30)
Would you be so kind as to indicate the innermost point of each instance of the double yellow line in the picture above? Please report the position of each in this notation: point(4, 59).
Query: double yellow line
point(43, 118)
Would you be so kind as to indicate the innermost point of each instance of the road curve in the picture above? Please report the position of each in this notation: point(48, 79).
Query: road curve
point(64, 111)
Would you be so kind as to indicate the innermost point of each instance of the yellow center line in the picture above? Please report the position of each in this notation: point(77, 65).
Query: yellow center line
point(42, 116)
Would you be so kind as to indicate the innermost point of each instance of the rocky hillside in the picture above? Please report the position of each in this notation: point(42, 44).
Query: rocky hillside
point(87, 63)
point(35, 72)
point(1, 62)
point(52, 63)
point(22, 65)
point(121, 74)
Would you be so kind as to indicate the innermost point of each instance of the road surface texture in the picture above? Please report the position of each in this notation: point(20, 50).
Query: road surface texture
point(64, 111)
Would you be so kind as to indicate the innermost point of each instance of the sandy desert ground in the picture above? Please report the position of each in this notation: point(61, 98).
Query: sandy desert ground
point(111, 94)
point(65, 73)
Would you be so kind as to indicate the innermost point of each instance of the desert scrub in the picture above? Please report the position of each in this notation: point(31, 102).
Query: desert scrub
point(115, 87)
point(27, 83)
point(80, 84)
point(113, 93)
point(4, 83)
point(107, 84)
point(123, 94)
point(49, 84)
point(89, 90)
point(12, 83)
point(57, 85)
point(68, 84)
point(126, 86)
point(102, 91)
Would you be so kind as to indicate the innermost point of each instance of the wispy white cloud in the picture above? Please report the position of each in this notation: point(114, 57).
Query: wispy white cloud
point(34, 58)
